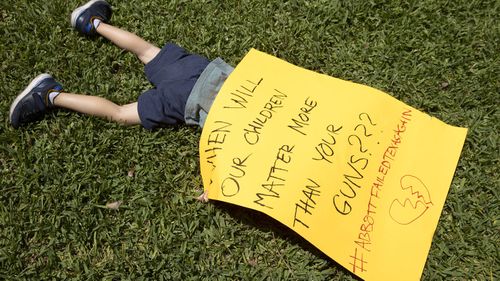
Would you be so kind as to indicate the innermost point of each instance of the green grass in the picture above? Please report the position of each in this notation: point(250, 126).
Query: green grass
point(57, 176)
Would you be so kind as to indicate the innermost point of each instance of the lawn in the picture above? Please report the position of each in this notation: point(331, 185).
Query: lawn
point(58, 176)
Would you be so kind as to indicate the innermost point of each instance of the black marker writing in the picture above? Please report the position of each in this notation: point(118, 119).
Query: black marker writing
point(239, 96)
point(215, 140)
point(302, 119)
point(306, 204)
point(254, 128)
point(276, 176)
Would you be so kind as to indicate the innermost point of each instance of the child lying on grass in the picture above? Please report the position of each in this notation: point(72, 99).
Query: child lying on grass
point(185, 84)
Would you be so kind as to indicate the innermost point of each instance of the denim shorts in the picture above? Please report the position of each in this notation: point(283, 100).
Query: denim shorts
point(205, 90)
point(173, 73)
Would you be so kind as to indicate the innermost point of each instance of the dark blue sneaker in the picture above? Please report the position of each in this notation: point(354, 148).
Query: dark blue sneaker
point(83, 17)
point(33, 102)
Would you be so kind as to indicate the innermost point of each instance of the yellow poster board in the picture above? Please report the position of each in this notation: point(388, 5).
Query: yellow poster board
point(359, 174)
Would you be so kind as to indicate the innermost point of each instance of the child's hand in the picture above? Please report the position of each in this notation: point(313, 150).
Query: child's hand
point(203, 197)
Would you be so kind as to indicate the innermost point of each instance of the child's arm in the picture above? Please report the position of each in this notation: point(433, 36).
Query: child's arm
point(203, 197)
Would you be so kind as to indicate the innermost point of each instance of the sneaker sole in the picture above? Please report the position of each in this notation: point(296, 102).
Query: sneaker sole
point(26, 91)
point(78, 11)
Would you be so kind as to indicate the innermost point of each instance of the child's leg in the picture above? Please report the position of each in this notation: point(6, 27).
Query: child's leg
point(92, 18)
point(144, 50)
point(100, 107)
point(44, 93)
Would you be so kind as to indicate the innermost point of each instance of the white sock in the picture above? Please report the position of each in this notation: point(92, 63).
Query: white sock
point(52, 96)
point(96, 23)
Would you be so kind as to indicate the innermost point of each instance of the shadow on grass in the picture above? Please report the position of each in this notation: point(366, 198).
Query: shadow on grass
point(266, 223)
